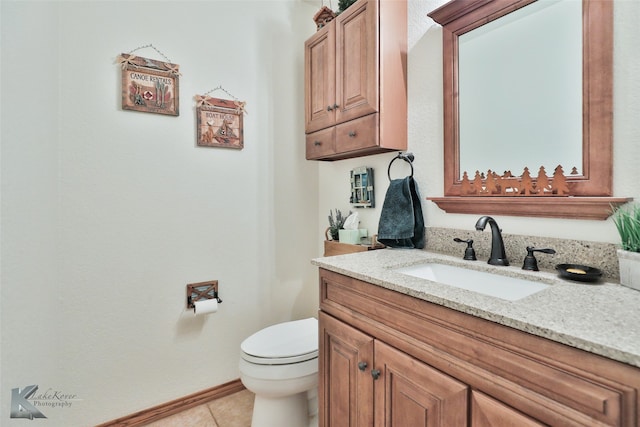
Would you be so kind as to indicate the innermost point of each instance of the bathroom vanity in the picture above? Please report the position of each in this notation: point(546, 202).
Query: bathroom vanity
point(397, 350)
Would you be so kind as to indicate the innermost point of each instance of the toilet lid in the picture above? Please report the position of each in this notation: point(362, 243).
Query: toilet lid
point(287, 340)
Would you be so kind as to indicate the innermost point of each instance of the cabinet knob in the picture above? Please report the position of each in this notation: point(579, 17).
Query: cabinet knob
point(317, 143)
point(375, 373)
point(335, 106)
point(329, 108)
point(352, 134)
point(362, 366)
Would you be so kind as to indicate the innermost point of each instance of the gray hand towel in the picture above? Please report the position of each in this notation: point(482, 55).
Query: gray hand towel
point(401, 222)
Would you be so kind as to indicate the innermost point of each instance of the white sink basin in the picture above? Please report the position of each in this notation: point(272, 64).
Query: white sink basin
point(495, 285)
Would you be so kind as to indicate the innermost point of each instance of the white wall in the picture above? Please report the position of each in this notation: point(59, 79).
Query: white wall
point(426, 136)
point(108, 214)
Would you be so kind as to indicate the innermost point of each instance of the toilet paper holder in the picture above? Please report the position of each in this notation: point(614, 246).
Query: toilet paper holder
point(202, 291)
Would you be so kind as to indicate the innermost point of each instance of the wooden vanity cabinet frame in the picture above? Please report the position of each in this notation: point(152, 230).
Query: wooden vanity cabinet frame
point(553, 383)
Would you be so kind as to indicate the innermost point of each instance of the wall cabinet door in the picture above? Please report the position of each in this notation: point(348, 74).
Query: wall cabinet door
point(320, 79)
point(357, 61)
point(341, 68)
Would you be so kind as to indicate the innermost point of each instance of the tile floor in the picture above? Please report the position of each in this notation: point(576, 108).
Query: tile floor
point(229, 411)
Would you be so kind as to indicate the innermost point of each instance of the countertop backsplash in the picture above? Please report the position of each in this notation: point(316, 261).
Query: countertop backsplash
point(594, 254)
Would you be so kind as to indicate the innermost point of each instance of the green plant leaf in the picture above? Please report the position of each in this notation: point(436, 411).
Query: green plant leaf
point(627, 221)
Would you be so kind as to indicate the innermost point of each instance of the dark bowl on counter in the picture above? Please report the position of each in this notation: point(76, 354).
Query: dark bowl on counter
point(578, 272)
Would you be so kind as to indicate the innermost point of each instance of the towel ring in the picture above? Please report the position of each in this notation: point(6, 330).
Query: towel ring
point(407, 157)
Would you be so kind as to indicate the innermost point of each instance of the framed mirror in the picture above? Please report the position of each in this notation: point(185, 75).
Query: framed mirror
point(477, 54)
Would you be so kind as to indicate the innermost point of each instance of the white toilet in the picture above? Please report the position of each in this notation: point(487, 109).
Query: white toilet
point(279, 364)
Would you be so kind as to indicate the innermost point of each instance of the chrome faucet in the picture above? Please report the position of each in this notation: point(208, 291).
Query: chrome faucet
point(498, 257)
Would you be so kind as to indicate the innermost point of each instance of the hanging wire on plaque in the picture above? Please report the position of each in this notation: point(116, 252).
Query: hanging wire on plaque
point(205, 99)
point(129, 58)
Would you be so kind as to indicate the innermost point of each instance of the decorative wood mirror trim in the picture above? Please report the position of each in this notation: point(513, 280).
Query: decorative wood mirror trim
point(591, 191)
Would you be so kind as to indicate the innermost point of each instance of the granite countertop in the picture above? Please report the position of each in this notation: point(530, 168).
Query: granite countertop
point(601, 318)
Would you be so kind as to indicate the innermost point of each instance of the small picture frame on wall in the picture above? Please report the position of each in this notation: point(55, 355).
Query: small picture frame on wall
point(149, 85)
point(220, 123)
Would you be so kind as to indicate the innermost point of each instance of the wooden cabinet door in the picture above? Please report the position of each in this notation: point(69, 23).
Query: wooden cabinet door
point(487, 412)
point(320, 79)
point(411, 393)
point(357, 61)
point(345, 392)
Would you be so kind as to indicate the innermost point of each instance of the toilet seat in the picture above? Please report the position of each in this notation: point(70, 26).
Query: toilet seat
point(279, 360)
point(283, 343)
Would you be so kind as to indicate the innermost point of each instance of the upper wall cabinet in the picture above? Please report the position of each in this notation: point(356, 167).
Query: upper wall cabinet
point(356, 82)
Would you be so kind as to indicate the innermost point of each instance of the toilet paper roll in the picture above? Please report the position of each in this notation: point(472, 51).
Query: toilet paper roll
point(206, 306)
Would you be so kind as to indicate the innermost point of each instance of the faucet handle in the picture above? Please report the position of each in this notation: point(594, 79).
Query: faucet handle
point(469, 252)
point(530, 261)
